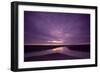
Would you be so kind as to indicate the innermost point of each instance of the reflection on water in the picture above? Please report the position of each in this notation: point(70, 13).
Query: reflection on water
point(41, 53)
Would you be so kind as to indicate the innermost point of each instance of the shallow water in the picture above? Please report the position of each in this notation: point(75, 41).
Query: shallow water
point(57, 52)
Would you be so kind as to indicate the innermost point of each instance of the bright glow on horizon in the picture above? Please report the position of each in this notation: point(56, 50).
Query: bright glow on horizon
point(60, 41)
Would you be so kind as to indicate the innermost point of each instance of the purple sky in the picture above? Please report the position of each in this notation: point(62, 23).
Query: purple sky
point(47, 26)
